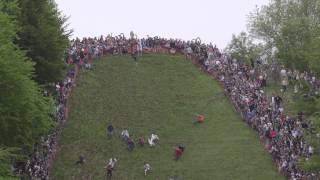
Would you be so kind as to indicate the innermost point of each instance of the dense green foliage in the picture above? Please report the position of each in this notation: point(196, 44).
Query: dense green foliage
point(22, 107)
point(242, 48)
point(24, 112)
point(6, 157)
point(160, 95)
point(44, 36)
point(293, 28)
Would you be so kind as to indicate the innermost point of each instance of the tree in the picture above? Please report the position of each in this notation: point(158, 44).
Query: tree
point(6, 159)
point(292, 27)
point(24, 112)
point(242, 48)
point(44, 36)
point(313, 54)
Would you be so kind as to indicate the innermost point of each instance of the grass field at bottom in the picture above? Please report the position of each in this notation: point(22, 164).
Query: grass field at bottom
point(160, 94)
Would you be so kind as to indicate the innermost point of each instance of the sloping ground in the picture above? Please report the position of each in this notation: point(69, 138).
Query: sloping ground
point(158, 95)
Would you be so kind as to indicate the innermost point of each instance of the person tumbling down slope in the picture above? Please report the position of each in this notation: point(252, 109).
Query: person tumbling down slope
point(198, 119)
point(153, 140)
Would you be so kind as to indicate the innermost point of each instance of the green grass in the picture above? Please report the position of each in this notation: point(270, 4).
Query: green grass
point(158, 95)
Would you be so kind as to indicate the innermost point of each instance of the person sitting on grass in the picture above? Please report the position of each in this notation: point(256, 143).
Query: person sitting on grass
point(147, 168)
point(198, 119)
point(110, 130)
point(125, 134)
point(153, 140)
point(81, 160)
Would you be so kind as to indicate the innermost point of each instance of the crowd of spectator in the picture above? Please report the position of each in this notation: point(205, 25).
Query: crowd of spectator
point(282, 135)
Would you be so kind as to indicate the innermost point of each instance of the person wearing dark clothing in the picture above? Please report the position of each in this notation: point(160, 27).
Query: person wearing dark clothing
point(252, 63)
point(81, 160)
point(130, 145)
point(109, 169)
point(110, 130)
point(278, 101)
point(135, 56)
point(182, 147)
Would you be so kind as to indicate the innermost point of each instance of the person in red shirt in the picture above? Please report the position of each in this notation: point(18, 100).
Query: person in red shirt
point(179, 150)
point(141, 141)
point(273, 134)
point(178, 153)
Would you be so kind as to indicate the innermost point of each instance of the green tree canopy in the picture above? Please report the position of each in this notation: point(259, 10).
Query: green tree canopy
point(24, 112)
point(242, 48)
point(293, 28)
point(44, 36)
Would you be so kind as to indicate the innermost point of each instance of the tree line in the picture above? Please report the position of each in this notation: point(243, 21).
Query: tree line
point(292, 27)
point(33, 39)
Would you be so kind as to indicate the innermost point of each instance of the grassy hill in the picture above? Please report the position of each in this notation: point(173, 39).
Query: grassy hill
point(158, 95)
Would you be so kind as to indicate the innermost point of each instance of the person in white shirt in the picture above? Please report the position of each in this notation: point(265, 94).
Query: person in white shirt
point(310, 150)
point(139, 48)
point(147, 168)
point(153, 139)
point(125, 134)
point(283, 73)
point(112, 162)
